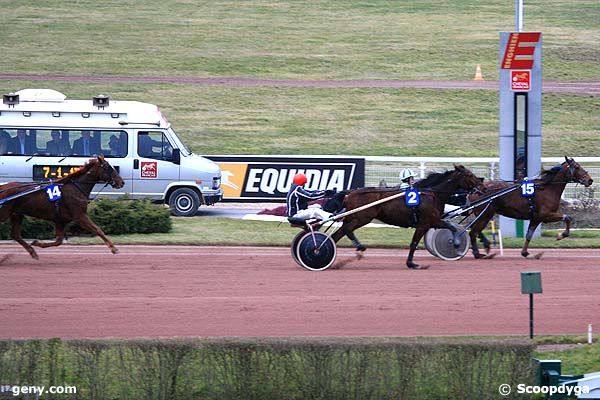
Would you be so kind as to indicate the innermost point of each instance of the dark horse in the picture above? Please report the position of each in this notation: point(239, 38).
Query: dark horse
point(435, 191)
point(543, 206)
point(72, 206)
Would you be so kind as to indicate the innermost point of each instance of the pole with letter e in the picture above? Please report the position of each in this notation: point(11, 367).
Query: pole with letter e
point(531, 282)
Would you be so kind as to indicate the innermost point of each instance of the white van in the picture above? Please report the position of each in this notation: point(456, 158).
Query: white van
point(43, 137)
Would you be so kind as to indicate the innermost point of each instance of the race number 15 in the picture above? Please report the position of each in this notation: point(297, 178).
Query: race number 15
point(527, 189)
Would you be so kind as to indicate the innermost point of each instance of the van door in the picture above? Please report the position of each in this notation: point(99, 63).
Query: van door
point(154, 167)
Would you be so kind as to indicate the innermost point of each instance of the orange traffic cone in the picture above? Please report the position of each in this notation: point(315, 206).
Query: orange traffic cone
point(478, 74)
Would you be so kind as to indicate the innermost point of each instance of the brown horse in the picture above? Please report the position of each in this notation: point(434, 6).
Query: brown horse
point(72, 206)
point(543, 206)
point(435, 190)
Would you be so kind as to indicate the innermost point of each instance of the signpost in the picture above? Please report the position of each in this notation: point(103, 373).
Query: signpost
point(520, 143)
point(531, 282)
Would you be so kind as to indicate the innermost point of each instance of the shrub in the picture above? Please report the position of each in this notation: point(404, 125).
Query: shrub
point(114, 217)
point(272, 368)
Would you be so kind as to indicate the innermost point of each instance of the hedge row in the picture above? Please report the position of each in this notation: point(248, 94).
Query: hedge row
point(335, 368)
point(114, 217)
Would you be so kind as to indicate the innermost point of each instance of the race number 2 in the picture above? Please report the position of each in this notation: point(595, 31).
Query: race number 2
point(527, 189)
point(53, 192)
point(412, 198)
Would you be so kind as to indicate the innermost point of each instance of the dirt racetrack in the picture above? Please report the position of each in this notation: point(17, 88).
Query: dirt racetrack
point(166, 291)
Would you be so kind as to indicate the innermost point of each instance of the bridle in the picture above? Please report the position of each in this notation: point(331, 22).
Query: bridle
point(111, 171)
point(572, 167)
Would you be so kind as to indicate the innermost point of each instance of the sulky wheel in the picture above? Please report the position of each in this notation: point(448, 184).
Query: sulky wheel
point(443, 246)
point(295, 245)
point(315, 251)
point(428, 240)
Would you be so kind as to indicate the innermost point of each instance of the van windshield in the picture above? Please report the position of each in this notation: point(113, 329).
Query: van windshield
point(185, 150)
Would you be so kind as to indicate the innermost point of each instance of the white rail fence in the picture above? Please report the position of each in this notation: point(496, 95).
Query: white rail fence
point(385, 170)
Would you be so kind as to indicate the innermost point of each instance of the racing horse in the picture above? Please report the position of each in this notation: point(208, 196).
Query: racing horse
point(435, 190)
point(73, 191)
point(541, 207)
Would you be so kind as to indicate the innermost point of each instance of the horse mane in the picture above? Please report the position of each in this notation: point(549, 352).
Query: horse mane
point(82, 170)
point(548, 174)
point(433, 179)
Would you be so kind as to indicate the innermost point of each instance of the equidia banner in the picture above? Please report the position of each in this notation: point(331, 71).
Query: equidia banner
point(263, 178)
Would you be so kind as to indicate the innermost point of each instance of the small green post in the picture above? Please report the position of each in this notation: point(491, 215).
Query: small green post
point(531, 282)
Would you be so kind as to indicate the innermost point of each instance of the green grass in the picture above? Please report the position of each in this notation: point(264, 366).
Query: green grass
point(312, 40)
point(577, 360)
point(382, 39)
point(385, 122)
point(236, 232)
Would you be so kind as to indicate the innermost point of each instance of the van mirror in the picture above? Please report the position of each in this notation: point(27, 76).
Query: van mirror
point(176, 156)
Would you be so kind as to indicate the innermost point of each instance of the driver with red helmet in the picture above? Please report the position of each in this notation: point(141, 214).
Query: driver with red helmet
point(298, 198)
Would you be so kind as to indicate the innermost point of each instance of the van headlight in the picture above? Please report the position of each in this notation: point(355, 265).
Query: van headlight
point(216, 183)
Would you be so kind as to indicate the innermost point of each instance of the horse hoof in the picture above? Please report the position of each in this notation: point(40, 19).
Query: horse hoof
point(416, 266)
point(490, 256)
point(478, 256)
point(561, 236)
point(5, 258)
point(538, 255)
point(34, 256)
point(360, 247)
point(525, 254)
point(114, 250)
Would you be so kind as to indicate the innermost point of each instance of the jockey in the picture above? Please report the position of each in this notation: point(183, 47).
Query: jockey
point(407, 176)
point(298, 198)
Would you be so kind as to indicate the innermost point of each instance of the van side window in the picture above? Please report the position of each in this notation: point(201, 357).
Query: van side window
point(114, 143)
point(154, 145)
point(18, 142)
point(56, 142)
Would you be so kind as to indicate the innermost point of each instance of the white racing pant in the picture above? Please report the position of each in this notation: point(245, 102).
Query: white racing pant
point(312, 212)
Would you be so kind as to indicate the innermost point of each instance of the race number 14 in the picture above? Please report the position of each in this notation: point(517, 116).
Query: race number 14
point(527, 189)
point(53, 192)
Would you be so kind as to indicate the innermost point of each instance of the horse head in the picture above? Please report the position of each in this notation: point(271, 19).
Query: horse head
point(104, 172)
point(576, 173)
point(465, 179)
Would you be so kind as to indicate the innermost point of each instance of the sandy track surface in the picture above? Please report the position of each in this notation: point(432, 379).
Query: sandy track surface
point(589, 88)
point(166, 291)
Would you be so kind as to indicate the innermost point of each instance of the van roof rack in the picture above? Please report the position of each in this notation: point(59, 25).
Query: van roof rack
point(45, 95)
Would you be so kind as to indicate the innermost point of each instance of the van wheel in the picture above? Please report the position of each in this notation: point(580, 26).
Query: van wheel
point(184, 202)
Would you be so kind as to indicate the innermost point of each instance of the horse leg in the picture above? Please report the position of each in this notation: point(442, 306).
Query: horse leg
point(533, 224)
point(482, 220)
point(419, 232)
point(16, 220)
point(86, 223)
point(567, 231)
point(59, 228)
point(485, 242)
point(357, 245)
point(347, 229)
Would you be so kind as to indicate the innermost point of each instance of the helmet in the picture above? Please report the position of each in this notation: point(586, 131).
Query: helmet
point(406, 173)
point(300, 179)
